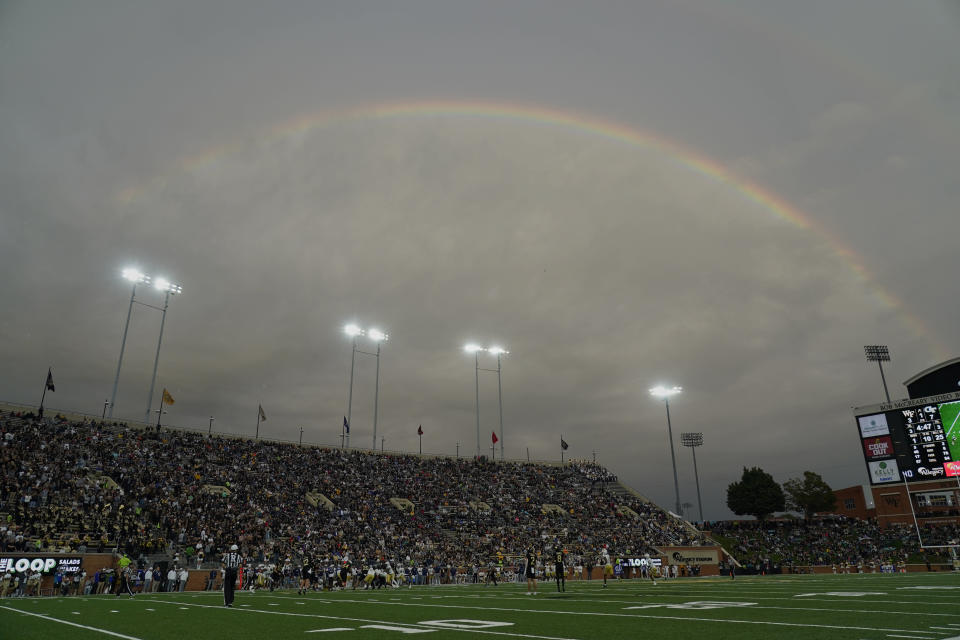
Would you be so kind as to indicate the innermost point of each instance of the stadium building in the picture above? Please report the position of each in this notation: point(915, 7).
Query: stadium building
point(911, 449)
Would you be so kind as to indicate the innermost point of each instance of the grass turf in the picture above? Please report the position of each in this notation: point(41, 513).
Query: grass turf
point(869, 606)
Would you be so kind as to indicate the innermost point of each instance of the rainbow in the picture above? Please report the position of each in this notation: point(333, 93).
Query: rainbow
point(688, 157)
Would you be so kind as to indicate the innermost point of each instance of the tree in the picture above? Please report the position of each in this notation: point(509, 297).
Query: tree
point(809, 495)
point(756, 494)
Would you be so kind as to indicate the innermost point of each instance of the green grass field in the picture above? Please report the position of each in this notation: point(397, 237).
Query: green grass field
point(871, 606)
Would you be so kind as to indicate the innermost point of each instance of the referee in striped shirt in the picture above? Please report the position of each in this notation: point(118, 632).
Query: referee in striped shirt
point(230, 562)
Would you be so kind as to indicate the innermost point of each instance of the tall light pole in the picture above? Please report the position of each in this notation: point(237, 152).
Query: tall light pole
point(136, 277)
point(475, 349)
point(694, 440)
point(353, 331)
point(879, 353)
point(379, 337)
point(665, 393)
point(169, 289)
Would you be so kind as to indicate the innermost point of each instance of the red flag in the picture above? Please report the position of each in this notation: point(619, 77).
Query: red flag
point(495, 438)
point(420, 430)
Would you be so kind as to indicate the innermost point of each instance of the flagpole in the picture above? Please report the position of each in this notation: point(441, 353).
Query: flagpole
point(561, 449)
point(421, 443)
point(44, 395)
point(159, 413)
point(259, 409)
point(123, 344)
point(156, 360)
point(353, 362)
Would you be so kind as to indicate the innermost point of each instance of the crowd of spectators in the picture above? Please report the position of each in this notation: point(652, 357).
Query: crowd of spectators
point(90, 486)
point(828, 541)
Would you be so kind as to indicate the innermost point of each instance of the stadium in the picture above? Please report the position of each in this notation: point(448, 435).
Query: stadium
point(111, 524)
point(551, 319)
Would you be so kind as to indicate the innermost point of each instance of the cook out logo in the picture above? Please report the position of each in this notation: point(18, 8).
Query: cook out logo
point(952, 468)
point(878, 447)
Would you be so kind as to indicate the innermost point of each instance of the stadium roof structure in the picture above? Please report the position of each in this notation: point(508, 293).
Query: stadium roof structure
point(940, 378)
point(929, 370)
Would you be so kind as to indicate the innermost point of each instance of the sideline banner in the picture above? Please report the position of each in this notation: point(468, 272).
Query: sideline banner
point(690, 555)
point(47, 565)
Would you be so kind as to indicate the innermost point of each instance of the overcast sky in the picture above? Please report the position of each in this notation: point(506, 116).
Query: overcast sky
point(164, 135)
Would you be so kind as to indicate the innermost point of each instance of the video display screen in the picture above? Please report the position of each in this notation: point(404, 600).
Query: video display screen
point(917, 440)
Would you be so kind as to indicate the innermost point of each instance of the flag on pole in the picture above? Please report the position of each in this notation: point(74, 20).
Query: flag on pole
point(346, 425)
point(263, 416)
point(563, 444)
point(420, 430)
point(166, 398)
point(49, 380)
point(495, 438)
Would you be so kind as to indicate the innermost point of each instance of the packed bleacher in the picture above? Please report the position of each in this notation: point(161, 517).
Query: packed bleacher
point(93, 486)
point(828, 541)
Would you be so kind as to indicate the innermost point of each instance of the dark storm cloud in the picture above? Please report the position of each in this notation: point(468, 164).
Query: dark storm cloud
point(605, 268)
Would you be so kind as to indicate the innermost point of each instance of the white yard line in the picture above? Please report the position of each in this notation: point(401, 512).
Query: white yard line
point(72, 624)
point(555, 612)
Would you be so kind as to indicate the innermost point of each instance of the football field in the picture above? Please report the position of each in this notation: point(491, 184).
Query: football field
point(870, 606)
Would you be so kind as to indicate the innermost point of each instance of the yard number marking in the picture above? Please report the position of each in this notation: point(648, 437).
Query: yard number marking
point(696, 605)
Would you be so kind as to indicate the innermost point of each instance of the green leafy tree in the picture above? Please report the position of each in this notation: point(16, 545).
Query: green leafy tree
point(809, 495)
point(756, 494)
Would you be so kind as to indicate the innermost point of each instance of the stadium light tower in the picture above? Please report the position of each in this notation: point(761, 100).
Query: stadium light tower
point(475, 349)
point(665, 393)
point(694, 440)
point(379, 337)
point(879, 353)
point(136, 277)
point(169, 289)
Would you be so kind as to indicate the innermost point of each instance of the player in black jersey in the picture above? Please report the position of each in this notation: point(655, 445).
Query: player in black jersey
point(305, 573)
point(560, 570)
point(344, 572)
point(531, 572)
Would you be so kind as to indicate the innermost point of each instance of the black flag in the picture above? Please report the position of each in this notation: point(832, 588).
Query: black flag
point(346, 425)
point(50, 380)
point(563, 444)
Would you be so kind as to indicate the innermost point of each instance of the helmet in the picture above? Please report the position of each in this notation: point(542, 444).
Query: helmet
point(233, 547)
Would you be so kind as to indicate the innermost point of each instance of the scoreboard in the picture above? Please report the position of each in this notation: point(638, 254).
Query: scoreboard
point(916, 439)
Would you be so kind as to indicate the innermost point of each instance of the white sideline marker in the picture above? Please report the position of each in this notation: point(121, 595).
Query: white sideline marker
point(330, 629)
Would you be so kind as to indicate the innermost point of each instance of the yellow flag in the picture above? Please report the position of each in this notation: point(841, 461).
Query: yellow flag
point(167, 398)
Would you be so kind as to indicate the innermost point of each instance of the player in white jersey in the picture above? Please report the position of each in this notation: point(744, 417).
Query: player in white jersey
point(650, 567)
point(607, 565)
